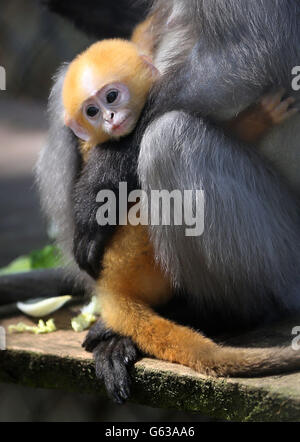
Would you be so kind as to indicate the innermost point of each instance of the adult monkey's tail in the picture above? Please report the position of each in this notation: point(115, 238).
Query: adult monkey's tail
point(250, 362)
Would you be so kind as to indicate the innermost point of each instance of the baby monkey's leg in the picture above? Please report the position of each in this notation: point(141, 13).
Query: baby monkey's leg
point(131, 282)
point(252, 124)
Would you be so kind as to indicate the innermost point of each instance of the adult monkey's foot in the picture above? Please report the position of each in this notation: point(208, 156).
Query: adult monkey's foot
point(114, 355)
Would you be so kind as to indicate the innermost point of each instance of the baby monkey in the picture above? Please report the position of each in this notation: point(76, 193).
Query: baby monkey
point(105, 90)
point(104, 93)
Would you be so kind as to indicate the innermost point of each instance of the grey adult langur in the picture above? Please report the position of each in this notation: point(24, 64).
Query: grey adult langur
point(217, 58)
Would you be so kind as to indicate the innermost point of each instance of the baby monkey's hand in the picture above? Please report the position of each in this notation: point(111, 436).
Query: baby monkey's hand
point(275, 108)
point(252, 124)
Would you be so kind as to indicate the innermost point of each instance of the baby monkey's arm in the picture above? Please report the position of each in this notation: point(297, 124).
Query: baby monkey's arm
point(253, 123)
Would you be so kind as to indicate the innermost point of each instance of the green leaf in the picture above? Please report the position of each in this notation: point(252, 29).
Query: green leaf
point(48, 257)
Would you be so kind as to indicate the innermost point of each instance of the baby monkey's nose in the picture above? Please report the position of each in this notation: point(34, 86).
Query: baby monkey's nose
point(109, 116)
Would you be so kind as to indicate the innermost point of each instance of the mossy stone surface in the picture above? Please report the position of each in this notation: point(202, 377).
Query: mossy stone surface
point(58, 361)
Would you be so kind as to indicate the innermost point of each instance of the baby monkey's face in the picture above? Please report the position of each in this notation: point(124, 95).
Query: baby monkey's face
point(111, 110)
point(105, 90)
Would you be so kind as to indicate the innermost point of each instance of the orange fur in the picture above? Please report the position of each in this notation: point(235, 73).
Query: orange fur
point(105, 62)
point(85, 149)
point(251, 125)
point(142, 36)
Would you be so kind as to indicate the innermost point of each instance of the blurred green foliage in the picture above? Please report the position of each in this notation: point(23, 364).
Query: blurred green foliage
point(48, 257)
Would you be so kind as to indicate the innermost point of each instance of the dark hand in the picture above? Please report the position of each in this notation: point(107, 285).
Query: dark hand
point(89, 248)
point(114, 355)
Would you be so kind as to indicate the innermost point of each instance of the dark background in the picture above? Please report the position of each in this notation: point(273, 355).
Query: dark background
point(33, 43)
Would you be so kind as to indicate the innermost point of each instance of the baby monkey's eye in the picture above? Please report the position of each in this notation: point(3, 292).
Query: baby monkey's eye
point(92, 111)
point(112, 96)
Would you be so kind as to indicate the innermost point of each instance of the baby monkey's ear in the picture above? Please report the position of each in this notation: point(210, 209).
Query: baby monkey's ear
point(78, 130)
point(149, 63)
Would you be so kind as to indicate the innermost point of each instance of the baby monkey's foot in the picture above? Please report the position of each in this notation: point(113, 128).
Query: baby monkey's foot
point(276, 108)
point(255, 122)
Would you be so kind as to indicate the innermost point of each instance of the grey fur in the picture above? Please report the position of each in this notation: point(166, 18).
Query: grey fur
point(248, 257)
point(246, 265)
point(56, 171)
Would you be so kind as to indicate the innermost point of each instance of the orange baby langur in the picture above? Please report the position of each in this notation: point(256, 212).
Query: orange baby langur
point(105, 90)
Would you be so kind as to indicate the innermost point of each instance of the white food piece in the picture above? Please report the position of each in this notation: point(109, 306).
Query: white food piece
point(93, 308)
point(87, 316)
point(37, 308)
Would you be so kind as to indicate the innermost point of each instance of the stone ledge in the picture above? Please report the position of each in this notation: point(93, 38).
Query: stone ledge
point(58, 361)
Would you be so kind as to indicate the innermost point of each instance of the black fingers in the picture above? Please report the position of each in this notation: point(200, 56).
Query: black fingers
point(98, 333)
point(87, 256)
point(89, 249)
point(113, 360)
point(114, 356)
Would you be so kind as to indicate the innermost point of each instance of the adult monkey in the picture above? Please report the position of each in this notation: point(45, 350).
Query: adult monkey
point(248, 266)
point(246, 269)
point(249, 253)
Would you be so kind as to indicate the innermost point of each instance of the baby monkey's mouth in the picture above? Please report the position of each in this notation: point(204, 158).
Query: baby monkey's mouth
point(123, 127)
